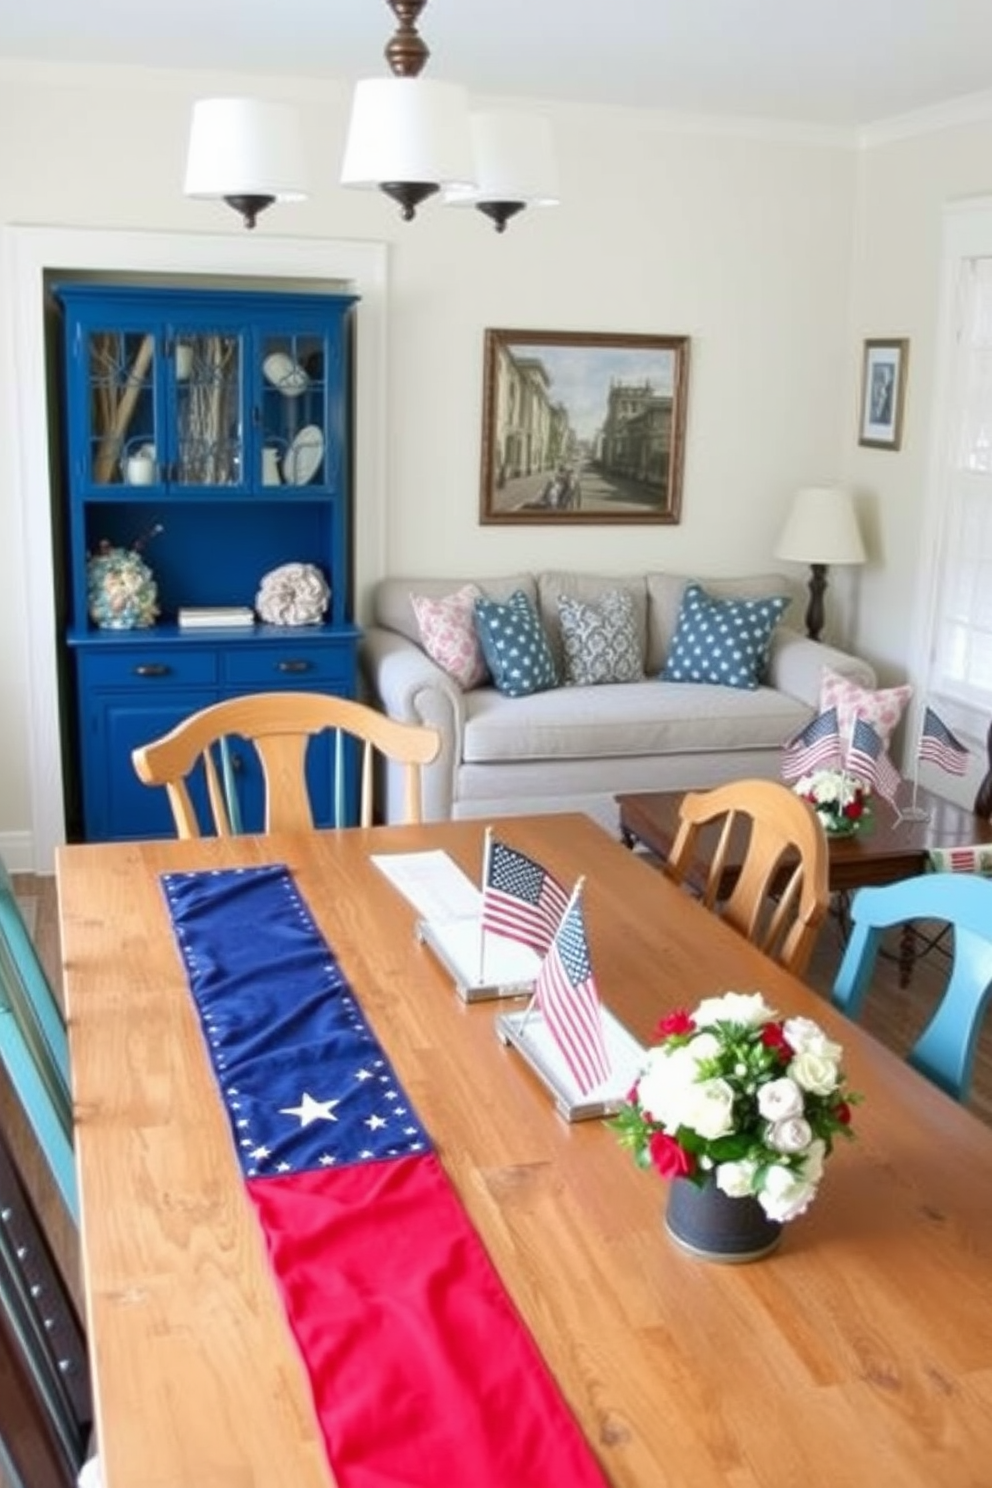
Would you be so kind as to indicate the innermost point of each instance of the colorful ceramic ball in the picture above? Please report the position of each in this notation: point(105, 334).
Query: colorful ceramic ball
point(120, 589)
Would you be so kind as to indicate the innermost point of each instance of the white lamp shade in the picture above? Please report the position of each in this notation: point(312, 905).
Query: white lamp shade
point(514, 161)
point(410, 130)
point(243, 147)
point(821, 528)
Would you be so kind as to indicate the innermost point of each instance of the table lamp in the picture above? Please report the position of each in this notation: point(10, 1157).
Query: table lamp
point(821, 529)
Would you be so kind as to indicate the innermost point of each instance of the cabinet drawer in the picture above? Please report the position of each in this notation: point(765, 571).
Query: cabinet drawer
point(139, 667)
point(302, 665)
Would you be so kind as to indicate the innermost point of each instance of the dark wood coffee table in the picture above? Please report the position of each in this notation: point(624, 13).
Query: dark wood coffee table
point(885, 849)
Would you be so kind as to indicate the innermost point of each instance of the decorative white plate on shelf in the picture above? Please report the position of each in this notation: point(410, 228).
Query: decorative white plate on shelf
point(302, 460)
point(285, 374)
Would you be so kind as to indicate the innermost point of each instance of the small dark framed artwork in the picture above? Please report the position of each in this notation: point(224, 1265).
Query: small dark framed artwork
point(883, 393)
point(583, 427)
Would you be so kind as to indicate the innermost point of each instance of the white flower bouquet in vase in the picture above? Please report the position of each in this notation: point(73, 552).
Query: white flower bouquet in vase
point(737, 1103)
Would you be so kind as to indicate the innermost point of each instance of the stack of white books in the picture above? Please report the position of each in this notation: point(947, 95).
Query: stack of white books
point(206, 617)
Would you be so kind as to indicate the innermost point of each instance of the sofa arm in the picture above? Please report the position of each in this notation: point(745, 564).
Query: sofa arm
point(795, 665)
point(403, 681)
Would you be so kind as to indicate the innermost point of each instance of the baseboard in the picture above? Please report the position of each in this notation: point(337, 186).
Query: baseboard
point(17, 851)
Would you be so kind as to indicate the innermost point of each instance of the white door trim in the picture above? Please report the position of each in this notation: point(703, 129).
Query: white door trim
point(27, 255)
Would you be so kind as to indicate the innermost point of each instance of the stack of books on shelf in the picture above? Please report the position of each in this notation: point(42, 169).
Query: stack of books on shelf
point(208, 617)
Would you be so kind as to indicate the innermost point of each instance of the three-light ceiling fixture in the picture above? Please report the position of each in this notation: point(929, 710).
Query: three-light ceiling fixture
point(408, 136)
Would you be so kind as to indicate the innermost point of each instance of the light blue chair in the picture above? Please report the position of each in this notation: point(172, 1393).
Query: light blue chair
point(33, 1046)
point(945, 1050)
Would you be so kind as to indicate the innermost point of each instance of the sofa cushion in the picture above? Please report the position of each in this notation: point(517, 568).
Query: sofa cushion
point(448, 634)
point(643, 718)
point(589, 589)
point(515, 646)
point(665, 590)
point(724, 641)
point(393, 609)
point(600, 640)
point(882, 708)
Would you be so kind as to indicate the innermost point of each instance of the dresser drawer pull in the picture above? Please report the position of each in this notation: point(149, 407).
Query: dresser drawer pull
point(152, 669)
point(294, 666)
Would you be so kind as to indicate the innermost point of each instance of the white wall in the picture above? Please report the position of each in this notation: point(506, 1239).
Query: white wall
point(741, 241)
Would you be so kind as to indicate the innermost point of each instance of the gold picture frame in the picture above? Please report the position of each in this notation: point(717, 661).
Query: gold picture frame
point(583, 428)
point(883, 393)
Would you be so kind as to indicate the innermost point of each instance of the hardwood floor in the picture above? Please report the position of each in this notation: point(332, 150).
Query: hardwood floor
point(894, 1015)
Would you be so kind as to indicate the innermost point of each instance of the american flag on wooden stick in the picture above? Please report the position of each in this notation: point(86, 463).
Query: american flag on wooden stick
point(520, 899)
point(566, 993)
point(939, 745)
point(868, 757)
point(815, 747)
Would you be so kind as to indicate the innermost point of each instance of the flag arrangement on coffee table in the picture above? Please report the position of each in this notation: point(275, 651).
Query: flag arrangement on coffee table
point(815, 747)
point(869, 758)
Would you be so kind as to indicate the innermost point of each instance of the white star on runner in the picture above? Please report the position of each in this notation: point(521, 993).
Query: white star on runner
point(311, 1110)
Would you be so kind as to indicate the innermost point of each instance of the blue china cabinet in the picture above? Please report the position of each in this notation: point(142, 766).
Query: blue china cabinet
point(209, 429)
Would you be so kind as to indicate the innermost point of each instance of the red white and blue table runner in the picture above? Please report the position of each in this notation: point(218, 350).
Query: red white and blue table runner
point(422, 1372)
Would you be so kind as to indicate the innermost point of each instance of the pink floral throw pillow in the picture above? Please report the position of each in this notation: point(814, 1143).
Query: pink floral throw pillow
point(882, 709)
point(447, 630)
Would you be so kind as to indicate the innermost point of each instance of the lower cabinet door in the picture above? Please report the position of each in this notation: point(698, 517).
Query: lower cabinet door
point(115, 802)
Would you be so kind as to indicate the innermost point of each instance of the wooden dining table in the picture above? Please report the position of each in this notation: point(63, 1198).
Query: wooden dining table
point(859, 1352)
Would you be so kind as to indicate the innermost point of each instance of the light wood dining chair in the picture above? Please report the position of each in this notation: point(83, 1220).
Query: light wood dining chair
point(280, 726)
point(780, 896)
point(945, 1050)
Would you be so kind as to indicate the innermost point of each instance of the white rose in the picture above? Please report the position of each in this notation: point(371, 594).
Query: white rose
point(780, 1099)
point(749, 1008)
point(662, 1090)
point(803, 1034)
point(736, 1179)
point(785, 1194)
point(814, 1072)
point(813, 1161)
point(709, 1108)
point(793, 1135)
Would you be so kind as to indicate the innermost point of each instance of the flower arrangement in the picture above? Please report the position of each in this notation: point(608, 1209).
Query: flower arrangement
point(735, 1093)
point(839, 799)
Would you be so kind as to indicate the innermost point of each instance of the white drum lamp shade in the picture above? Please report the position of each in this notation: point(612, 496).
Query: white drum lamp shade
point(408, 132)
point(244, 150)
point(515, 165)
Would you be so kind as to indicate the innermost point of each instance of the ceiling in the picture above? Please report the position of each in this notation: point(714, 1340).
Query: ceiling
point(846, 63)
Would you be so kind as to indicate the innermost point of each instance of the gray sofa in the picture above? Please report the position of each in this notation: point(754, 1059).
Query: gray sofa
point(574, 747)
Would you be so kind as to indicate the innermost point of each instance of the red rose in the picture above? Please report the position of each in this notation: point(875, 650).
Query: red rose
point(842, 1113)
point(671, 1160)
point(854, 809)
point(677, 1022)
point(773, 1037)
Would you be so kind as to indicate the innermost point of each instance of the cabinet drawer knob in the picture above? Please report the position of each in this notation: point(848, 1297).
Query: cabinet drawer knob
point(152, 669)
point(293, 666)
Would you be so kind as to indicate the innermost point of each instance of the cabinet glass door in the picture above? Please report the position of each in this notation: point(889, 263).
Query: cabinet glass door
point(209, 408)
point(123, 443)
point(294, 437)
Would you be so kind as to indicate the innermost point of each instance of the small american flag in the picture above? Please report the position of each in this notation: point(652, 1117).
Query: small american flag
point(520, 899)
point(938, 744)
point(566, 993)
point(816, 747)
point(867, 757)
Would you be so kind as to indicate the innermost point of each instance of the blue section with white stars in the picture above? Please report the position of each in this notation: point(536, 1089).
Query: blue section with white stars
point(304, 1080)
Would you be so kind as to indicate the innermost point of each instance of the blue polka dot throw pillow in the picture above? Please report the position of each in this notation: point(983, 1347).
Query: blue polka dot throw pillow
point(722, 640)
point(514, 645)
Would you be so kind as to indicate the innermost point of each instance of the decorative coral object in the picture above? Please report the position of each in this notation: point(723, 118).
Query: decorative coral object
point(293, 594)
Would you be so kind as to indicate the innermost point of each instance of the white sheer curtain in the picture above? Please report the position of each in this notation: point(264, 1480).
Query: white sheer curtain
point(961, 661)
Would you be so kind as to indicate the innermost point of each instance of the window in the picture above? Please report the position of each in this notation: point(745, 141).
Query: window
point(961, 637)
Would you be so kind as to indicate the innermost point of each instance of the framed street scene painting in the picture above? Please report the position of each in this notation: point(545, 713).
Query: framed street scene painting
point(883, 392)
point(583, 427)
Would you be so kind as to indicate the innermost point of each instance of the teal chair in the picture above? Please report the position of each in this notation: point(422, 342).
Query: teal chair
point(34, 1047)
point(945, 1050)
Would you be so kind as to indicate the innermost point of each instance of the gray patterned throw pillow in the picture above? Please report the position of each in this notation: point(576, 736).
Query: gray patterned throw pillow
point(600, 639)
point(515, 646)
point(722, 640)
